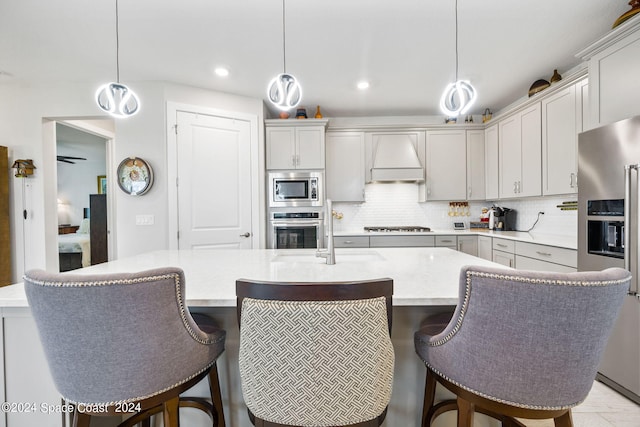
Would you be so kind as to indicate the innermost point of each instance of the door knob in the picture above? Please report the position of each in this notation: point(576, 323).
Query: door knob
point(247, 234)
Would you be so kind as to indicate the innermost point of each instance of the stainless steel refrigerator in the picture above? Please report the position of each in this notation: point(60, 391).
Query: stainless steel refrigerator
point(608, 235)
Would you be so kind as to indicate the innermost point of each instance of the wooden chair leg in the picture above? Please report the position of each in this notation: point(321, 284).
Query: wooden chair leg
point(564, 420)
point(429, 397)
point(80, 419)
point(465, 413)
point(216, 397)
point(170, 412)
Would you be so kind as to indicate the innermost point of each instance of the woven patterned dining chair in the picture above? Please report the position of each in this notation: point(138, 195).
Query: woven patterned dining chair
point(520, 343)
point(316, 354)
point(125, 343)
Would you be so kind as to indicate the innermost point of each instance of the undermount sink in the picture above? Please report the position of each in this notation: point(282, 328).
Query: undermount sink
point(310, 257)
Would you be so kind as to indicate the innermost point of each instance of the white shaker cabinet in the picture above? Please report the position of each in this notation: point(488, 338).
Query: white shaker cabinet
point(504, 252)
point(519, 154)
point(475, 165)
point(446, 165)
point(491, 163)
point(485, 250)
point(614, 64)
point(561, 122)
point(345, 170)
point(468, 244)
point(295, 144)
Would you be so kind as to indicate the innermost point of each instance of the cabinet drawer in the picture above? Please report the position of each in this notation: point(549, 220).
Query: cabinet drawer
point(351, 241)
point(568, 257)
point(401, 241)
point(525, 263)
point(448, 241)
point(503, 245)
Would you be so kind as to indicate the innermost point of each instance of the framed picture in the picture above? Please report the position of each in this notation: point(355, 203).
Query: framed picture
point(102, 184)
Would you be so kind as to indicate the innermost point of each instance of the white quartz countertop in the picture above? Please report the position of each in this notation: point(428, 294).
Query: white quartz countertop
point(422, 276)
point(568, 242)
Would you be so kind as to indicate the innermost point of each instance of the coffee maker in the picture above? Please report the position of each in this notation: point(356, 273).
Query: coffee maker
point(502, 219)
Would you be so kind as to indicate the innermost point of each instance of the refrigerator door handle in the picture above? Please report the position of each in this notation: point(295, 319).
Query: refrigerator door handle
point(633, 290)
point(627, 197)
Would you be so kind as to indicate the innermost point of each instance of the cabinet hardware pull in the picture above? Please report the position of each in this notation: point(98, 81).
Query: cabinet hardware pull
point(543, 253)
point(501, 245)
point(447, 241)
point(348, 242)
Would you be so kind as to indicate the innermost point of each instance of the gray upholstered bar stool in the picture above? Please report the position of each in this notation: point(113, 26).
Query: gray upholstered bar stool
point(521, 344)
point(125, 343)
point(316, 354)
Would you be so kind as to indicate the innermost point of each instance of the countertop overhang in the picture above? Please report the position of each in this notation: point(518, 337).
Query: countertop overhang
point(421, 276)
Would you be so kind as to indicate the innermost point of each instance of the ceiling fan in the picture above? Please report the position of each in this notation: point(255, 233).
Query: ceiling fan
point(67, 159)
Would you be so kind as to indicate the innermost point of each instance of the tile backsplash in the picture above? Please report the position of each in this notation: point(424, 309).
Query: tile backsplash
point(394, 204)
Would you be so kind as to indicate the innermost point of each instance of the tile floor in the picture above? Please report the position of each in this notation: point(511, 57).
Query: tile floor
point(602, 408)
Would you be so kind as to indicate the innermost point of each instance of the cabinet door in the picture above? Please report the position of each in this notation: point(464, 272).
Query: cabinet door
point(615, 92)
point(531, 160)
point(310, 147)
point(475, 165)
point(281, 148)
point(446, 165)
point(344, 173)
point(484, 248)
point(491, 163)
point(468, 245)
point(509, 155)
point(504, 258)
point(560, 142)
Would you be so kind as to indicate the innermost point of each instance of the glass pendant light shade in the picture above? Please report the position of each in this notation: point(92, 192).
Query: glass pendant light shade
point(118, 100)
point(284, 92)
point(115, 98)
point(457, 98)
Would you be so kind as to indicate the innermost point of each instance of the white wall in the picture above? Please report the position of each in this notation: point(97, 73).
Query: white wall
point(24, 110)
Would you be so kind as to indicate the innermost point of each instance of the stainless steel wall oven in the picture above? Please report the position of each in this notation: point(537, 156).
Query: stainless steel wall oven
point(296, 230)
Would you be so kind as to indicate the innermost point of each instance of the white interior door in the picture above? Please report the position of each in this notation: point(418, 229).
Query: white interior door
point(214, 182)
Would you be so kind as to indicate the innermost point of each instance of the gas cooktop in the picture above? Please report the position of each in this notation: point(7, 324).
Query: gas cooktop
point(402, 228)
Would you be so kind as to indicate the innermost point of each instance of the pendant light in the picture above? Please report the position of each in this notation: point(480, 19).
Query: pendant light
point(284, 90)
point(458, 96)
point(116, 98)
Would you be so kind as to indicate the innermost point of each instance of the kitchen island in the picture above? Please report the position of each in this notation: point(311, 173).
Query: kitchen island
point(425, 282)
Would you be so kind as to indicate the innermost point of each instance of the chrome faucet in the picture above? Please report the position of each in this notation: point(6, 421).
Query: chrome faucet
point(329, 254)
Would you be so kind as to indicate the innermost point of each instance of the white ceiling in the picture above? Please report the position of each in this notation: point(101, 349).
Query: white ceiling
point(405, 48)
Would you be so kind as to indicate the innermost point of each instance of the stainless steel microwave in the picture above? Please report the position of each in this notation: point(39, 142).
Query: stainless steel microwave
point(295, 189)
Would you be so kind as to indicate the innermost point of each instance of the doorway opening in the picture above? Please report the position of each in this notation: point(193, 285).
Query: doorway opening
point(83, 224)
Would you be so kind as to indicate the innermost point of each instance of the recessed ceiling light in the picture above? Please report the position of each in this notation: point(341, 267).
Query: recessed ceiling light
point(363, 85)
point(221, 71)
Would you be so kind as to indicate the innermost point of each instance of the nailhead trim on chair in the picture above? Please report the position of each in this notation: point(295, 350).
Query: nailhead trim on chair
point(136, 399)
point(182, 308)
point(463, 311)
point(175, 277)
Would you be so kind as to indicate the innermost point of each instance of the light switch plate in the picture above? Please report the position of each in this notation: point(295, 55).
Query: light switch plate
point(145, 219)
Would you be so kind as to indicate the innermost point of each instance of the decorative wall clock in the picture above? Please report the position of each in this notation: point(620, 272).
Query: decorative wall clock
point(135, 176)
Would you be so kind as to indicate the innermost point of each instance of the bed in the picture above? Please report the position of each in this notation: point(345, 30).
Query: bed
point(74, 249)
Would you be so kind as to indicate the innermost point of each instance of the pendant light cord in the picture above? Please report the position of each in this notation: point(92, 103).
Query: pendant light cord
point(117, 47)
point(284, 38)
point(456, 41)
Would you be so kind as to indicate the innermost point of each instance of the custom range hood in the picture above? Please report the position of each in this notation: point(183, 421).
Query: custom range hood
point(395, 159)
